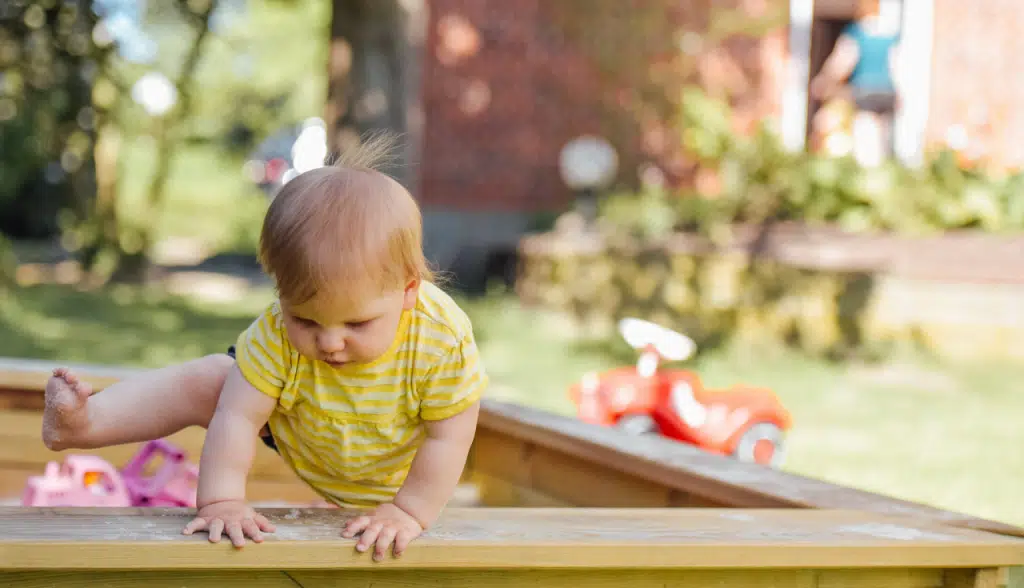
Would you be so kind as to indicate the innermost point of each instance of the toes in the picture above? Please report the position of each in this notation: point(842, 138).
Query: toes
point(63, 379)
point(81, 389)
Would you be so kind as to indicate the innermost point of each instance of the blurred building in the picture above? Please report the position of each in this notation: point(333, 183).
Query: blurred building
point(503, 90)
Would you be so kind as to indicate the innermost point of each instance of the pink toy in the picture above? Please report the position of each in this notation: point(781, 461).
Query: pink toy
point(81, 480)
point(173, 484)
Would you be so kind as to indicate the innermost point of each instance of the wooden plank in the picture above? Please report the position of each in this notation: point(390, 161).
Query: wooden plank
point(687, 475)
point(911, 577)
point(980, 578)
point(177, 579)
point(565, 478)
point(484, 538)
point(691, 472)
point(21, 442)
point(495, 492)
point(31, 374)
point(387, 578)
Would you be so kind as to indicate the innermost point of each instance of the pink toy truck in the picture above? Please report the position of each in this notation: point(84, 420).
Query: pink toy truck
point(81, 480)
point(172, 485)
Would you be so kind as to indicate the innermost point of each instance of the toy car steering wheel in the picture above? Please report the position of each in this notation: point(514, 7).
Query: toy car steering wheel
point(669, 344)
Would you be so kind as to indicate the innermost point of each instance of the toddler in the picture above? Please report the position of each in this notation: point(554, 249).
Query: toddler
point(363, 374)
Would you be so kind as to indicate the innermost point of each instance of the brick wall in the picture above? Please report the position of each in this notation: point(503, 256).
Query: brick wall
point(503, 91)
point(979, 42)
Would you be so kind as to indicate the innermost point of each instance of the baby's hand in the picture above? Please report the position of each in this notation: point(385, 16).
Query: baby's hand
point(235, 517)
point(385, 524)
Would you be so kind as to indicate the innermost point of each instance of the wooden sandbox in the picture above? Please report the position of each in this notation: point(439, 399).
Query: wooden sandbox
point(546, 501)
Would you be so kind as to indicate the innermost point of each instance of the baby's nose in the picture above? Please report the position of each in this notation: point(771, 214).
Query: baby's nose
point(331, 342)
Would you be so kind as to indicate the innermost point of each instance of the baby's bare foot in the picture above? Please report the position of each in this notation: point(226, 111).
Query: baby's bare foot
point(65, 417)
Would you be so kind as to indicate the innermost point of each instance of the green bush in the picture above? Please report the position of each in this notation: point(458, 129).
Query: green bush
point(758, 180)
point(7, 262)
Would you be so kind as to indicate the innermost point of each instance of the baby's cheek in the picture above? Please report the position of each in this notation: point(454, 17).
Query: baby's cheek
point(300, 338)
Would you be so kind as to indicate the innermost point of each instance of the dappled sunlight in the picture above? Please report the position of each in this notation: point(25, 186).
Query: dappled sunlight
point(167, 321)
point(208, 286)
point(475, 97)
point(458, 39)
point(122, 325)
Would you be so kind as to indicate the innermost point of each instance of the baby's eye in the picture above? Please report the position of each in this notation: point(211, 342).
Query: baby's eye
point(360, 324)
point(305, 322)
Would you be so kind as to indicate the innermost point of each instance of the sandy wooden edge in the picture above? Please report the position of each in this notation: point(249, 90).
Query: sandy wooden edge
point(690, 470)
point(673, 465)
point(122, 539)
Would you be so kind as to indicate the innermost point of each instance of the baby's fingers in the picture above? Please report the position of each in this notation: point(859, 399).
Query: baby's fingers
point(252, 529)
point(196, 524)
point(355, 526)
point(235, 533)
point(402, 540)
point(216, 528)
point(369, 537)
point(387, 535)
point(264, 524)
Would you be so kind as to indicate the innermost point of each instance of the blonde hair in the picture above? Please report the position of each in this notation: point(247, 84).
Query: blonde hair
point(347, 230)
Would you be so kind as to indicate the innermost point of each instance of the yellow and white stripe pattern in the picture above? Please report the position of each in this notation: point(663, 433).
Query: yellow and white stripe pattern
point(351, 433)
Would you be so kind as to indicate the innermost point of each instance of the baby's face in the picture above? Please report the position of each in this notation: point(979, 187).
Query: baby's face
point(351, 333)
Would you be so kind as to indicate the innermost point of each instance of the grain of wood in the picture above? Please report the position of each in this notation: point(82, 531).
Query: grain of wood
point(693, 472)
point(21, 443)
point(494, 492)
point(134, 579)
point(968, 578)
point(111, 539)
point(596, 578)
point(908, 578)
point(689, 476)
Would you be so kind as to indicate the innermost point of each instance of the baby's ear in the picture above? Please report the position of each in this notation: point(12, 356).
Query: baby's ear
point(412, 291)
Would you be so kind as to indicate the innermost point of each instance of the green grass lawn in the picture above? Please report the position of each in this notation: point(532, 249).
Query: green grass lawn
point(944, 435)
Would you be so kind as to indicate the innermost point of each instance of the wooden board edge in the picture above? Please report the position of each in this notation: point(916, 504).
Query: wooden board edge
point(681, 468)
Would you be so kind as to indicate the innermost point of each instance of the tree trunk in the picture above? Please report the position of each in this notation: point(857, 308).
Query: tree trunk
point(137, 266)
point(372, 68)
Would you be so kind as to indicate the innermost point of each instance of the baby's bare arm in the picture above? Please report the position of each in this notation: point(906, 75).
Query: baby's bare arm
point(230, 441)
point(438, 465)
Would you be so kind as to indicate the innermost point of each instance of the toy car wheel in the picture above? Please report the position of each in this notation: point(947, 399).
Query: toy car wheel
point(763, 443)
point(637, 424)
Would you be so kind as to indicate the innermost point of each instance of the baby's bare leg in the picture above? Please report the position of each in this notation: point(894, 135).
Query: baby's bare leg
point(149, 406)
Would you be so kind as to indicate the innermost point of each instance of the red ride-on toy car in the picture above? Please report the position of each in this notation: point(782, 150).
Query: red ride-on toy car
point(744, 422)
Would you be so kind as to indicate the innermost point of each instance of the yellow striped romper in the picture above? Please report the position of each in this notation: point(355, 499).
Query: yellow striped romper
point(351, 432)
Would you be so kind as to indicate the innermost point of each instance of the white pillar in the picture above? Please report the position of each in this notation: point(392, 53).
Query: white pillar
point(910, 121)
point(794, 99)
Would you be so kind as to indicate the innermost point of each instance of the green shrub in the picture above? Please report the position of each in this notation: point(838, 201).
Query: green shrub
point(7, 262)
point(758, 180)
